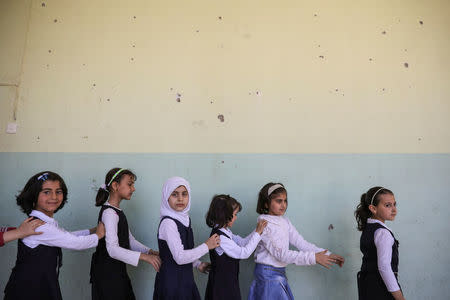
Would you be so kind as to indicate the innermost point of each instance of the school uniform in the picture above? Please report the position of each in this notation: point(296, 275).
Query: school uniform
point(273, 255)
point(109, 277)
point(223, 279)
point(39, 258)
point(378, 276)
point(175, 279)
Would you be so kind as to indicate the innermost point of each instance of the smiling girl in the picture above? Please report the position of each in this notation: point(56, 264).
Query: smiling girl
point(39, 257)
point(273, 255)
point(377, 279)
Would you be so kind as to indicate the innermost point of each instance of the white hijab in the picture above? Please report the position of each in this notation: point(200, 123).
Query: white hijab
point(169, 186)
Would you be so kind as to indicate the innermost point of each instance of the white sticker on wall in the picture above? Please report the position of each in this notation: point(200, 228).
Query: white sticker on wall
point(11, 128)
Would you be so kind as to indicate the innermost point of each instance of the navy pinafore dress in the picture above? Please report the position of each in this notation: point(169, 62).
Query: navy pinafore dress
point(35, 275)
point(370, 284)
point(174, 281)
point(223, 279)
point(109, 277)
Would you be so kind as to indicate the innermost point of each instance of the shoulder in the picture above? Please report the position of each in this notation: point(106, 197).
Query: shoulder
point(382, 234)
point(168, 223)
point(110, 213)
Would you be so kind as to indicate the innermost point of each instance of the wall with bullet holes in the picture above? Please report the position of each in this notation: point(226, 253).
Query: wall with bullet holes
point(328, 97)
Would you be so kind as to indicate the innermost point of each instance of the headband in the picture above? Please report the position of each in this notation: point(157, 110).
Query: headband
point(114, 176)
point(373, 197)
point(273, 188)
point(43, 177)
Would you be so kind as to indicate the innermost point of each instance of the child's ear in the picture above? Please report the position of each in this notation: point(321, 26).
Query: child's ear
point(114, 186)
point(373, 209)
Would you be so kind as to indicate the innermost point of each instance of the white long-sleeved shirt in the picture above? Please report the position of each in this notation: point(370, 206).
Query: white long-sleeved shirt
point(237, 247)
point(168, 232)
point(274, 246)
point(384, 241)
point(55, 236)
point(129, 256)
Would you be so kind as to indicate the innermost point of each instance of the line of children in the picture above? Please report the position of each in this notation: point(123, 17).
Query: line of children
point(39, 254)
point(378, 279)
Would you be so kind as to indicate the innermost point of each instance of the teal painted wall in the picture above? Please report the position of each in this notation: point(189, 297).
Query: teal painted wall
point(323, 190)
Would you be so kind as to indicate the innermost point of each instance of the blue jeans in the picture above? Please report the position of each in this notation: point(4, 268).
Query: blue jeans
point(269, 283)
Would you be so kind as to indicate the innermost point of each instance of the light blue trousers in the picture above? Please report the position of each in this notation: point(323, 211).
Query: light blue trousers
point(269, 283)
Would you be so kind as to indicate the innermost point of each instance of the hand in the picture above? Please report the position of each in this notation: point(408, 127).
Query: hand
point(323, 259)
point(398, 295)
point(100, 231)
point(154, 260)
point(28, 227)
point(337, 259)
point(213, 241)
point(153, 252)
point(204, 267)
point(260, 226)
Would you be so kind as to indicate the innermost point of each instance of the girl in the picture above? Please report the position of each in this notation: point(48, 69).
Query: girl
point(378, 276)
point(39, 257)
point(223, 280)
point(175, 281)
point(27, 228)
point(109, 276)
point(272, 254)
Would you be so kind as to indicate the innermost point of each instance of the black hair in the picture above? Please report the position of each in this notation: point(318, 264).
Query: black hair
point(221, 210)
point(362, 212)
point(28, 197)
point(264, 199)
point(103, 194)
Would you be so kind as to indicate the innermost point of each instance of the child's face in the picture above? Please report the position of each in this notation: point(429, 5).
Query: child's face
point(235, 212)
point(278, 204)
point(49, 198)
point(386, 210)
point(179, 198)
point(126, 188)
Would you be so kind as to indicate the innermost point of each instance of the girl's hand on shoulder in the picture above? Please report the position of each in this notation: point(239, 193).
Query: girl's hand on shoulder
point(260, 226)
point(204, 267)
point(213, 241)
point(100, 231)
point(323, 259)
point(29, 226)
point(154, 260)
point(337, 259)
point(153, 252)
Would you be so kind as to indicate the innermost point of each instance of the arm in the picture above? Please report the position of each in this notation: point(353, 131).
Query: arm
point(277, 244)
point(135, 245)
point(111, 219)
point(240, 251)
point(168, 231)
point(384, 241)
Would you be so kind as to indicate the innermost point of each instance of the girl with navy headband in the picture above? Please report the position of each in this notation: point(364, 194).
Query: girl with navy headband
point(273, 255)
point(378, 278)
point(39, 257)
point(109, 277)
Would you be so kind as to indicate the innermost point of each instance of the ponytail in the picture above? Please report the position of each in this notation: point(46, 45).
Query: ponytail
point(371, 197)
point(113, 175)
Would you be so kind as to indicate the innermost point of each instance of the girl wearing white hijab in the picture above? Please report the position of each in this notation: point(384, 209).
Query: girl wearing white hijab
point(175, 279)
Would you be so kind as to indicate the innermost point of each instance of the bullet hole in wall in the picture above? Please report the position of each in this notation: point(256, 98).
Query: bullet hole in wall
point(406, 65)
point(383, 32)
point(178, 99)
point(421, 22)
point(221, 118)
point(321, 56)
point(43, 4)
point(330, 227)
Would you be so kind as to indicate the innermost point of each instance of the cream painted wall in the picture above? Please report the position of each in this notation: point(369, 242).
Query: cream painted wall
point(288, 76)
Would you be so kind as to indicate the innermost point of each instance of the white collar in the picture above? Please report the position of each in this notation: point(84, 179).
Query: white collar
point(43, 217)
point(273, 219)
point(107, 203)
point(371, 221)
point(227, 231)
